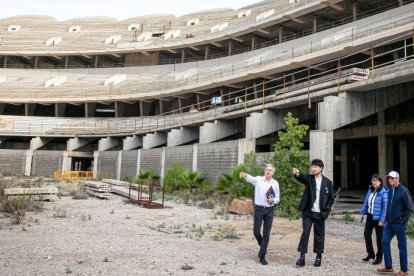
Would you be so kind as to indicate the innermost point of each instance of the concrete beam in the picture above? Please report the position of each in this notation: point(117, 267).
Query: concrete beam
point(211, 132)
point(154, 140)
point(348, 107)
point(321, 147)
point(130, 143)
point(108, 143)
point(38, 142)
point(76, 143)
point(268, 118)
point(182, 136)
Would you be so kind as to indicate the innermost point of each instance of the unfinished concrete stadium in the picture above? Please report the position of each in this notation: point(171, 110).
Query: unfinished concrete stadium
point(117, 97)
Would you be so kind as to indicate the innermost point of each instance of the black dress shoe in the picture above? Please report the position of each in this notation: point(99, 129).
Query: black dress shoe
point(367, 258)
point(300, 262)
point(263, 261)
point(377, 261)
point(317, 262)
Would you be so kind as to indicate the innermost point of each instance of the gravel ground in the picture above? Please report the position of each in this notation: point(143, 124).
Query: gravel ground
point(96, 237)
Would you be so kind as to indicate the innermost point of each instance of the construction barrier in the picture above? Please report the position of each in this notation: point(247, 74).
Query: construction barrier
point(73, 175)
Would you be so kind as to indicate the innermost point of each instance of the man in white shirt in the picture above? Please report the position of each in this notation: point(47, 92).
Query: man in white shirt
point(316, 203)
point(266, 197)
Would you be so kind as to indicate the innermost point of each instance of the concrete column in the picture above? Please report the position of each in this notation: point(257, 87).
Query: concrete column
point(119, 109)
point(321, 147)
point(108, 143)
point(400, 2)
point(144, 108)
point(130, 143)
point(90, 109)
point(218, 130)
point(355, 10)
point(404, 161)
point(161, 107)
point(183, 55)
point(153, 140)
point(60, 109)
point(96, 61)
point(253, 42)
point(36, 62)
point(29, 109)
point(382, 144)
point(5, 62)
point(162, 173)
point(230, 50)
point(280, 34)
point(139, 161)
point(95, 163)
point(66, 162)
point(344, 166)
point(118, 169)
point(245, 146)
point(206, 52)
point(195, 157)
point(315, 24)
point(66, 62)
point(357, 175)
point(182, 136)
point(38, 142)
point(198, 101)
point(28, 164)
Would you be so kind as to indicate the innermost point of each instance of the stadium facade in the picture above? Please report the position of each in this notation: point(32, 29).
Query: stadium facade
point(117, 97)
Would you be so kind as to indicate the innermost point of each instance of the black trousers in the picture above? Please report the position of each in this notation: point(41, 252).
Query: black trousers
point(369, 227)
point(318, 230)
point(262, 215)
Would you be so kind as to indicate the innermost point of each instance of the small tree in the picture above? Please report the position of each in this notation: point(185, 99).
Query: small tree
point(289, 154)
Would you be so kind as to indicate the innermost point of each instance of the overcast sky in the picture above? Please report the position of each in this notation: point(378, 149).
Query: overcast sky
point(119, 9)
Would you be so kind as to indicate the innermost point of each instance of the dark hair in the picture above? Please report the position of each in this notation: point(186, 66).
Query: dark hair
point(317, 162)
point(378, 177)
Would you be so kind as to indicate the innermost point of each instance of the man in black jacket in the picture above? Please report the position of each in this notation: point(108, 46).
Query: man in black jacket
point(316, 203)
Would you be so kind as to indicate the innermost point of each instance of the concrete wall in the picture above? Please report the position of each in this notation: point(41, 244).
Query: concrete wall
point(151, 160)
point(46, 162)
point(216, 158)
point(12, 162)
point(182, 154)
point(129, 163)
point(108, 163)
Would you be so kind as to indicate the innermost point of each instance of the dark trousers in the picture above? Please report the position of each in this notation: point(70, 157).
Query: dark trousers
point(399, 230)
point(369, 227)
point(265, 216)
point(318, 230)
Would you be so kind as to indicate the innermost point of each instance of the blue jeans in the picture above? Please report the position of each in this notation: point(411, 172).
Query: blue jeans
point(391, 230)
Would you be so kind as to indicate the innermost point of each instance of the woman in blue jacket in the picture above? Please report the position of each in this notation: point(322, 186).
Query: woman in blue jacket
point(375, 207)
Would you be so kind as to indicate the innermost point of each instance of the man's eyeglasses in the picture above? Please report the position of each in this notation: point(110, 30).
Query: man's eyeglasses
point(391, 178)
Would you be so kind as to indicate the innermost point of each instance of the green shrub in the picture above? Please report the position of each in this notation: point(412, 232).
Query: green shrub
point(410, 227)
point(79, 193)
point(348, 218)
point(16, 207)
point(289, 154)
point(232, 186)
point(147, 178)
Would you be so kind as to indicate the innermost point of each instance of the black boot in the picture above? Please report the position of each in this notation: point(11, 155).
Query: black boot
point(377, 260)
point(367, 258)
point(301, 261)
point(263, 261)
point(318, 260)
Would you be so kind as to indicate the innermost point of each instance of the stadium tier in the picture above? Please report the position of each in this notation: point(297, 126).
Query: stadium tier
point(206, 88)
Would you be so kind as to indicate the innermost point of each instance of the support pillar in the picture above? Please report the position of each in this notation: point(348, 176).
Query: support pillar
point(253, 42)
point(66, 62)
point(206, 52)
point(130, 143)
point(95, 163)
point(183, 55)
point(162, 173)
point(315, 24)
point(28, 164)
point(118, 169)
point(321, 147)
point(245, 146)
point(195, 157)
point(404, 161)
point(382, 145)
point(344, 166)
point(29, 109)
point(280, 34)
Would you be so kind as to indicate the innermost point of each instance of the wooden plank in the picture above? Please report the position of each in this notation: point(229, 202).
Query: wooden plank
point(30, 191)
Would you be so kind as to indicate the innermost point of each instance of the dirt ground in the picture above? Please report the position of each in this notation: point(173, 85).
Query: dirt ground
point(111, 237)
